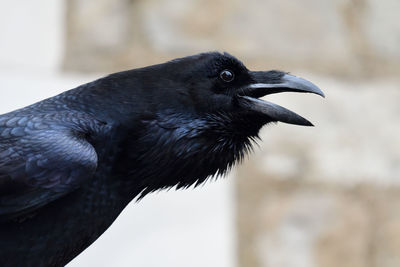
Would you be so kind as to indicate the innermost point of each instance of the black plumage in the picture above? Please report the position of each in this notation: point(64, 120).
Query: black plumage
point(71, 163)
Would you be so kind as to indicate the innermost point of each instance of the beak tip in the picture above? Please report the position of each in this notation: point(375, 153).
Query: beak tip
point(315, 90)
point(307, 123)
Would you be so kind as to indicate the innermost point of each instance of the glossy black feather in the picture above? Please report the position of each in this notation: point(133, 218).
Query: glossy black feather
point(71, 163)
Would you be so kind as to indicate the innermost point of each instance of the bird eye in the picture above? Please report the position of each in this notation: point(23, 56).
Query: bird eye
point(227, 75)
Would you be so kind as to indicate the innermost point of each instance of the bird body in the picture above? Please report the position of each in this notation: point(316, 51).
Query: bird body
point(71, 163)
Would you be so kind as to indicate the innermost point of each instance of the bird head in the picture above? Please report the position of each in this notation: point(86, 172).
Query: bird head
point(212, 83)
point(220, 83)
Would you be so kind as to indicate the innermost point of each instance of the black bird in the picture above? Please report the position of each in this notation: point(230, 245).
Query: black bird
point(71, 163)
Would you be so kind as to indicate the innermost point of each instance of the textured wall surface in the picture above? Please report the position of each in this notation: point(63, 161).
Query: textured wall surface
point(345, 37)
point(329, 195)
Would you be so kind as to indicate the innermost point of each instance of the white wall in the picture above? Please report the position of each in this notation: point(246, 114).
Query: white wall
point(30, 34)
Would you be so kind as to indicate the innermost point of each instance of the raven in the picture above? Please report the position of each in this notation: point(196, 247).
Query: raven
point(71, 163)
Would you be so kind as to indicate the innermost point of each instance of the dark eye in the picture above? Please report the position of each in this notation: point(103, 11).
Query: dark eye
point(227, 75)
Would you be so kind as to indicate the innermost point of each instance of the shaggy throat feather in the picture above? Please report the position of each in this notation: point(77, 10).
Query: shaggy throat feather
point(190, 153)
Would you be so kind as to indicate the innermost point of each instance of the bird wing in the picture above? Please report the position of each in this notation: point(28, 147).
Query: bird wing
point(39, 166)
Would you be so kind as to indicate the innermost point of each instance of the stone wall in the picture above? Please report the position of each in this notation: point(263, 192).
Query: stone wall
point(329, 195)
point(343, 37)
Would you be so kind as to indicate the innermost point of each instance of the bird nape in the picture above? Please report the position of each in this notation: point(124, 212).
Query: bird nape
point(71, 163)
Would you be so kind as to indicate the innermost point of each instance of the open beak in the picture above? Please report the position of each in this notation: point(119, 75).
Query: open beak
point(266, 83)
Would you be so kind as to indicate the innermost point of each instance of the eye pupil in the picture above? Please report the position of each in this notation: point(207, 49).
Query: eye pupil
point(227, 75)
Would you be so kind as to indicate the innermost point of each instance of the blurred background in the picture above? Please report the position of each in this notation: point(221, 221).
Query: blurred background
point(326, 196)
